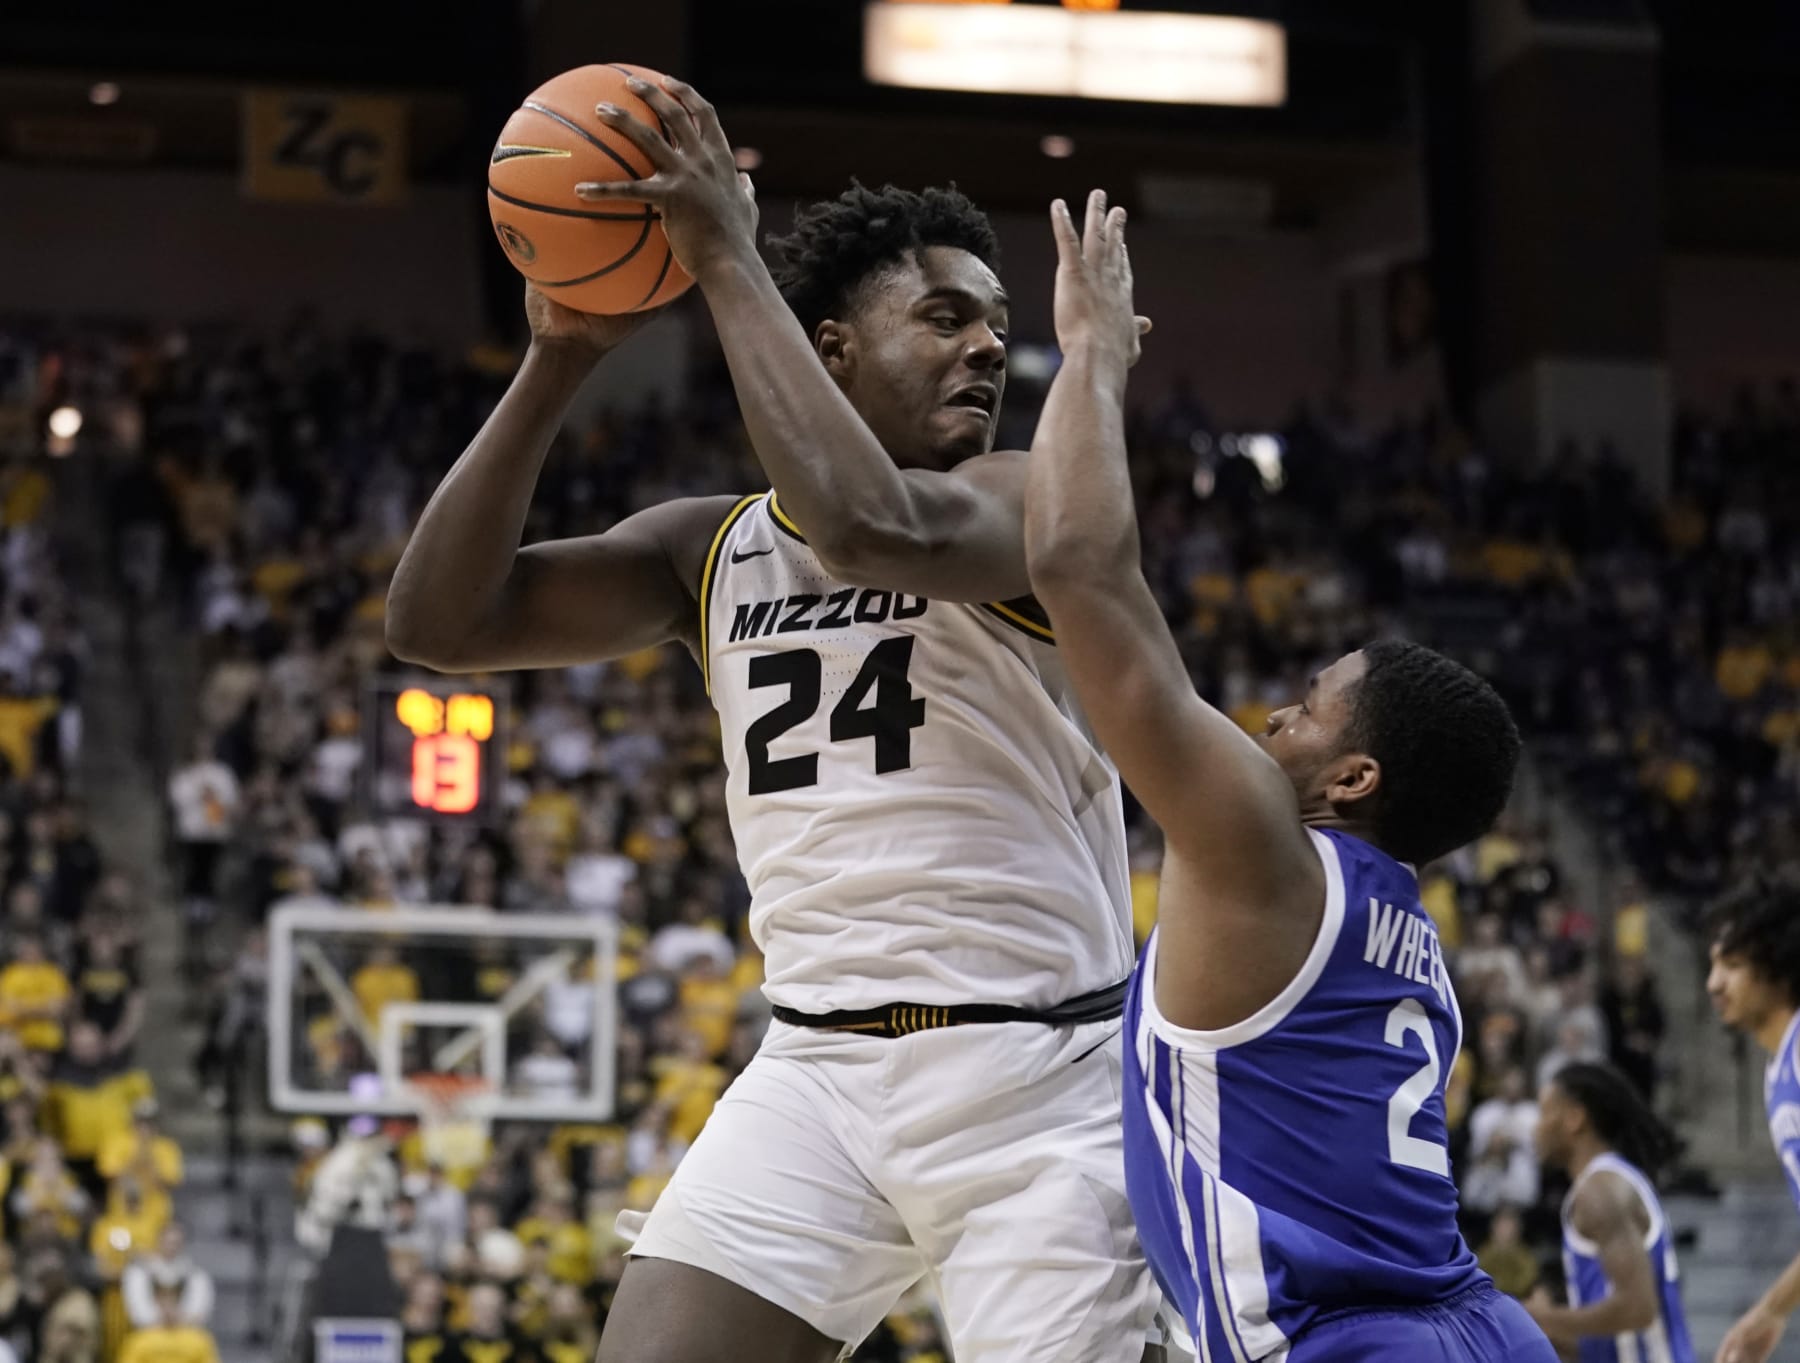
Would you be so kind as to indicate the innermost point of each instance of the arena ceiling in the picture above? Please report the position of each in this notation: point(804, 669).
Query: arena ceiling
point(787, 75)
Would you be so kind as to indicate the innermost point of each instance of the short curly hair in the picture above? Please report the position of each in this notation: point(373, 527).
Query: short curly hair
point(839, 245)
point(1760, 922)
point(1446, 743)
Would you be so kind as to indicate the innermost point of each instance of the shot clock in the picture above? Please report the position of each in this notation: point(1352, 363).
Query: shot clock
point(435, 748)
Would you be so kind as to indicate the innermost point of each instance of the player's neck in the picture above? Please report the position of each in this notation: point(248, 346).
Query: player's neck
point(1327, 817)
point(1583, 1153)
point(1774, 1028)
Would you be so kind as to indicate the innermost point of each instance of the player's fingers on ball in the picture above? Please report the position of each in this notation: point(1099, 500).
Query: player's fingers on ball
point(700, 113)
point(706, 117)
point(639, 133)
point(675, 119)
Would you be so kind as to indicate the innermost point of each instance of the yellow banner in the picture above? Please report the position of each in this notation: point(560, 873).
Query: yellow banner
point(313, 146)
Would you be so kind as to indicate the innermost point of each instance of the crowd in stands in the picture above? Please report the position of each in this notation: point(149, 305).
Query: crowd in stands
point(1647, 647)
point(93, 1264)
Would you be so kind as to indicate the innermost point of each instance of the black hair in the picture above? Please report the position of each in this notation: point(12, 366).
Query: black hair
point(1619, 1114)
point(1446, 744)
point(1760, 922)
point(839, 244)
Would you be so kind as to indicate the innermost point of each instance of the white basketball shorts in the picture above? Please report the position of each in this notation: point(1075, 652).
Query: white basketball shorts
point(838, 1170)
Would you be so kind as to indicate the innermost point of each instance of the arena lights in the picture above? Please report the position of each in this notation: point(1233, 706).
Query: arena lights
point(746, 158)
point(104, 92)
point(1057, 147)
point(65, 423)
point(1090, 53)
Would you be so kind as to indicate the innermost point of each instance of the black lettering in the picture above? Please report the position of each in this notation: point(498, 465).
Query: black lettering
point(300, 147)
point(748, 620)
point(801, 607)
point(839, 614)
point(346, 179)
point(868, 612)
point(902, 611)
point(800, 671)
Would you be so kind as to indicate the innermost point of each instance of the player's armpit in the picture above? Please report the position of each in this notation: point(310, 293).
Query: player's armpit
point(599, 596)
point(951, 536)
point(1243, 889)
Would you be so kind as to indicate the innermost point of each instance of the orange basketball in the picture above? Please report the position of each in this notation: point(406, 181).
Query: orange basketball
point(608, 257)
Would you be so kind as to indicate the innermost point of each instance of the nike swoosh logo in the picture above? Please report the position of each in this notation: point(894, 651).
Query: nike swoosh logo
point(754, 553)
point(1096, 1046)
point(508, 151)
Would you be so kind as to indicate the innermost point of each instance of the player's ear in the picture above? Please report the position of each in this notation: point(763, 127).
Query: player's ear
point(1354, 776)
point(836, 345)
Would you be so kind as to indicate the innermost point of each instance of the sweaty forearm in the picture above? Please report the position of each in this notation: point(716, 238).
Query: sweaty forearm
point(452, 577)
point(1611, 1315)
point(1783, 1296)
point(830, 472)
point(1079, 519)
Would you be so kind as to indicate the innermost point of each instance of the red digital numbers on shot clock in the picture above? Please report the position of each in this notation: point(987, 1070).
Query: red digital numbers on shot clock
point(448, 734)
point(433, 749)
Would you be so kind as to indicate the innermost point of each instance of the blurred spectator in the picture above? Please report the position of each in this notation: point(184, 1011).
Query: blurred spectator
point(425, 1333)
point(204, 796)
point(142, 1151)
point(442, 1214)
point(168, 1267)
point(108, 993)
point(70, 1331)
point(1505, 1257)
point(91, 1101)
point(1502, 1165)
point(170, 1340)
point(1489, 956)
point(1632, 1007)
point(34, 995)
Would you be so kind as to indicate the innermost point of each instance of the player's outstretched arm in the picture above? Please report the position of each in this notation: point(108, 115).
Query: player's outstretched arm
point(1244, 865)
point(467, 598)
point(1754, 1337)
point(1608, 1212)
point(954, 536)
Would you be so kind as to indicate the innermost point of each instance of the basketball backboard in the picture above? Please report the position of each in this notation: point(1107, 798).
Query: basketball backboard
point(523, 1002)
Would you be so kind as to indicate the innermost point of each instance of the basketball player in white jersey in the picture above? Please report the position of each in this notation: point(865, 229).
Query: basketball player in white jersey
point(934, 844)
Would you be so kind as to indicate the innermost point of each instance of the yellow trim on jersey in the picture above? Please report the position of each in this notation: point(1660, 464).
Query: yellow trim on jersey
point(1013, 617)
point(706, 584)
point(782, 516)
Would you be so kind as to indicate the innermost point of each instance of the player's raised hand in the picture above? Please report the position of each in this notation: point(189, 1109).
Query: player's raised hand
point(554, 326)
point(1093, 280)
point(708, 207)
point(1752, 1339)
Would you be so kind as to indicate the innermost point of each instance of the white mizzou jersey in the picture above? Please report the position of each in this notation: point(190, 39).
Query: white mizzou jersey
point(919, 807)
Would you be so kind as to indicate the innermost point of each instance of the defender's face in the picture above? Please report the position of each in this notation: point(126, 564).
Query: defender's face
point(1740, 995)
point(930, 365)
point(1550, 1135)
point(1307, 737)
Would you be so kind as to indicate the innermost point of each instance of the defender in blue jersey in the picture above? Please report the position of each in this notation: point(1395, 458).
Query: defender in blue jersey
point(1618, 1250)
point(1291, 1022)
point(1755, 989)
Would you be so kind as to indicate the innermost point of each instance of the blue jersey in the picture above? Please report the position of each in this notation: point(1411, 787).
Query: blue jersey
point(1664, 1342)
point(1781, 1095)
point(1296, 1163)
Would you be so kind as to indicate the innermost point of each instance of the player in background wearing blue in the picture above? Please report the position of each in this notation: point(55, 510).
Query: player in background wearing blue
point(1291, 1019)
point(1755, 989)
point(1618, 1250)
